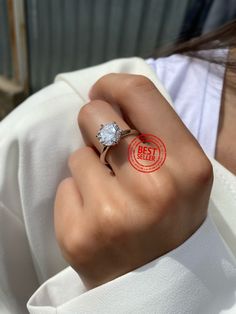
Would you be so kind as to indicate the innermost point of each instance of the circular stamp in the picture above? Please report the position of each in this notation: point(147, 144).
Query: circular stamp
point(146, 153)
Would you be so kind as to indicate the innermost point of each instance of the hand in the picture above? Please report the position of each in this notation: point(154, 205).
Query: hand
point(109, 223)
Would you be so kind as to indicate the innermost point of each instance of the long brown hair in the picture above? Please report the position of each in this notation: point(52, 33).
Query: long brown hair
point(223, 37)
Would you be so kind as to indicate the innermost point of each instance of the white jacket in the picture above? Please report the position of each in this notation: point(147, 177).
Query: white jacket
point(35, 142)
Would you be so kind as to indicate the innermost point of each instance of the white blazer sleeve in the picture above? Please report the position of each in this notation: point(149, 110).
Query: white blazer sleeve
point(197, 277)
point(35, 142)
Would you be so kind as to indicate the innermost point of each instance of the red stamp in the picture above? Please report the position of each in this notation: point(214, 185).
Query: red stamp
point(146, 153)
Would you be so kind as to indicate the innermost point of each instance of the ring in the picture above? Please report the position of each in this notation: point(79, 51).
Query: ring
point(109, 135)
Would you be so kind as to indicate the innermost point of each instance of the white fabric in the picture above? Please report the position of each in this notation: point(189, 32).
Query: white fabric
point(195, 87)
point(35, 142)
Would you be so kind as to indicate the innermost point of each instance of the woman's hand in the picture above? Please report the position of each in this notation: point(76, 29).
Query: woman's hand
point(108, 224)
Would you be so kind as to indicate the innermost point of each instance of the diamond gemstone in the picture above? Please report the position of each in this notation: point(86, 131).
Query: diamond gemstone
point(109, 134)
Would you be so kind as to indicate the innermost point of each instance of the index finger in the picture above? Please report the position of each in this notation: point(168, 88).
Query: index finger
point(147, 110)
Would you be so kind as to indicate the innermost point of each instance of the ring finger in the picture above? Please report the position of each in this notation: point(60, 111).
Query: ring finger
point(90, 118)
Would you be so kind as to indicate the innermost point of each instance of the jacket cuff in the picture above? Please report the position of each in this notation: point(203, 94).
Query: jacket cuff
point(197, 277)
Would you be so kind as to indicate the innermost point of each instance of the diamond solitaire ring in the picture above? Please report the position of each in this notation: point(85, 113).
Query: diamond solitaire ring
point(109, 135)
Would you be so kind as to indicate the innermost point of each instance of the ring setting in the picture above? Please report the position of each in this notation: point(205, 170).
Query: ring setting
point(109, 135)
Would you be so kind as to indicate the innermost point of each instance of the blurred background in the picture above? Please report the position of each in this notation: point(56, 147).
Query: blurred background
point(40, 38)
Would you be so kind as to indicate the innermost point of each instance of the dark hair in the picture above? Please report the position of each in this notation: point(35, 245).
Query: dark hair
point(223, 37)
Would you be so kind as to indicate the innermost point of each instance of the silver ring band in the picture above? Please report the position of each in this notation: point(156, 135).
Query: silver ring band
point(106, 148)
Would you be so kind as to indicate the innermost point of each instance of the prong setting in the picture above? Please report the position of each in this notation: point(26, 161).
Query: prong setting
point(109, 134)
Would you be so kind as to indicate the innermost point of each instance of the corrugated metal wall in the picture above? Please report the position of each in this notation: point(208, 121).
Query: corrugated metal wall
point(5, 51)
point(65, 35)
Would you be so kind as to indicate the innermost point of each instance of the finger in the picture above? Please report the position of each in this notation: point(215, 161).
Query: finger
point(146, 108)
point(68, 209)
point(90, 118)
point(89, 173)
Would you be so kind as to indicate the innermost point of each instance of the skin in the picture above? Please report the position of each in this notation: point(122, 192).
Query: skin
point(108, 223)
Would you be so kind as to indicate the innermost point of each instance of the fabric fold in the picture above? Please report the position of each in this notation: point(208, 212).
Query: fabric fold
point(197, 277)
point(188, 279)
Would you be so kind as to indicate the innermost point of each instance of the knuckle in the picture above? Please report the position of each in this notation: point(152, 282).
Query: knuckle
point(77, 156)
point(61, 193)
point(75, 248)
point(203, 171)
point(159, 192)
point(144, 189)
point(89, 109)
point(84, 112)
point(168, 195)
point(72, 160)
point(112, 225)
point(85, 109)
point(114, 235)
point(134, 82)
point(71, 246)
point(64, 184)
point(103, 79)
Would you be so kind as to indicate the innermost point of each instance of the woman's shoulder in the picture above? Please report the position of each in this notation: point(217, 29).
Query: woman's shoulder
point(179, 70)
